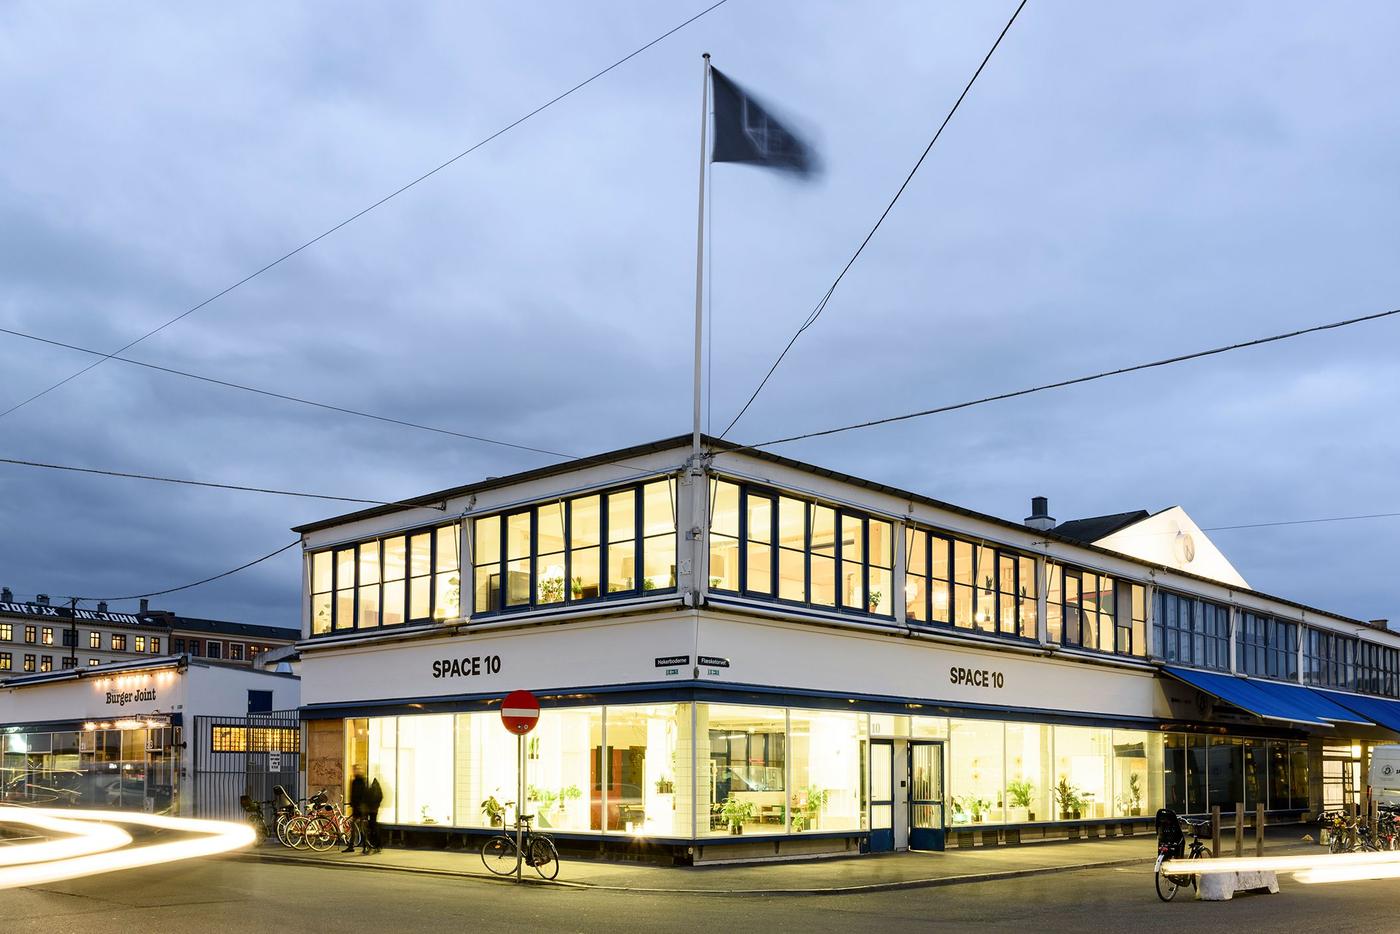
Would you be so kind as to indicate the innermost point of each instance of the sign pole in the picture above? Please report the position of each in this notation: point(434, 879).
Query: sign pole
point(520, 807)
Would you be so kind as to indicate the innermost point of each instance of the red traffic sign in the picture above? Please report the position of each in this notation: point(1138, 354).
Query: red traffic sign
point(520, 711)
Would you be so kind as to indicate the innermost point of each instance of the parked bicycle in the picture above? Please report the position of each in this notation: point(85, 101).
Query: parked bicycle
point(1352, 834)
point(499, 852)
point(1172, 845)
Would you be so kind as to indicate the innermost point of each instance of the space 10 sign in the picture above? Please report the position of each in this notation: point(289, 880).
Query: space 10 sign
point(520, 711)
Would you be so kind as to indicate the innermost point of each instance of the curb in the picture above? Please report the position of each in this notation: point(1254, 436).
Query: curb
point(965, 879)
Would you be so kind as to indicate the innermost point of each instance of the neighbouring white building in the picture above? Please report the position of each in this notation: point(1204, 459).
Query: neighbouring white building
point(740, 655)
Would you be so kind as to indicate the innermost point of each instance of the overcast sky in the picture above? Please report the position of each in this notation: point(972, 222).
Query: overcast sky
point(1125, 182)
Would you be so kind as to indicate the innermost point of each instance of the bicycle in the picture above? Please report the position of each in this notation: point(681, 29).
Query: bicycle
point(499, 852)
point(1171, 845)
point(253, 814)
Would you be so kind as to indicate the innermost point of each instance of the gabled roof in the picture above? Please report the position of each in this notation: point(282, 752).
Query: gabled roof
point(1092, 529)
point(223, 627)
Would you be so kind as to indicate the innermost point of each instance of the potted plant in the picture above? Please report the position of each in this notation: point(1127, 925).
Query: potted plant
point(959, 810)
point(664, 786)
point(1070, 801)
point(551, 589)
point(544, 799)
point(872, 600)
point(494, 811)
point(1133, 799)
point(735, 813)
point(1021, 792)
point(979, 807)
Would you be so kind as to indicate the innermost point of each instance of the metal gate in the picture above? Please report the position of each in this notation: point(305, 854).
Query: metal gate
point(247, 755)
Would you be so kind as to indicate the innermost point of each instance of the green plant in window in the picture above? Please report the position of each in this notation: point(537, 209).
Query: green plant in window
point(576, 586)
point(1020, 793)
point(572, 793)
point(551, 589)
point(735, 813)
point(1131, 800)
point(664, 786)
point(494, 811)
point(715, 582)
point(648, 583)
point(873, 600)
point(979, 807)
point(1071, 802)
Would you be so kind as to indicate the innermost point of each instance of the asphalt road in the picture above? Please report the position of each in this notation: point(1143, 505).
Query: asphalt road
point(233, 897)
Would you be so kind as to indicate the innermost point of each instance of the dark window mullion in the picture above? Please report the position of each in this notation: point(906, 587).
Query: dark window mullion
point(568, 508)
point(742, 552)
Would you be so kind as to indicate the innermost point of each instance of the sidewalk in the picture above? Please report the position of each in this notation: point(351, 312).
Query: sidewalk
point(811, 877)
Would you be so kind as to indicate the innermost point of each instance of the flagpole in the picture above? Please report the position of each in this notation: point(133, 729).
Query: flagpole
point(700, 258)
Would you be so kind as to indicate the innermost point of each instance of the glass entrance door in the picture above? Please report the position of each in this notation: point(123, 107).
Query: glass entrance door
point(925, 795)
point(881, 796)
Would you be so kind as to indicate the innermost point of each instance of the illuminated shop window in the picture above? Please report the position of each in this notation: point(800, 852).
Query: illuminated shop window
point(747, 776)
point(253, 739)
point(615, 544)
point(951, 581)
point(386, 581)
point(767, 545)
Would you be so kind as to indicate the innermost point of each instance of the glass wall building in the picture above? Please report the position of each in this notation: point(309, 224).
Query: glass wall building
point(740, 655)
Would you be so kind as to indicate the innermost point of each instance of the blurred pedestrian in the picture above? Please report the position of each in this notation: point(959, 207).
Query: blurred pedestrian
point(359, 794)
point(374, 796)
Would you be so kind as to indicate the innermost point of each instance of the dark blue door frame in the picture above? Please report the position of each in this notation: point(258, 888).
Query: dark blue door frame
point(926, 795)
point(881, 796)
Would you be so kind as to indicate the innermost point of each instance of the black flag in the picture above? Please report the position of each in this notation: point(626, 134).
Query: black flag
point(746, 132)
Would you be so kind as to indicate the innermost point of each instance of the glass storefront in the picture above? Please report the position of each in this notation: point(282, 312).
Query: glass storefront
point(776, 770)
point(129, 767)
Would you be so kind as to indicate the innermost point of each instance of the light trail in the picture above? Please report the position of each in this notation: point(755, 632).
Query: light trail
point(1301, 862)
point(213, 837)
point(80, 838)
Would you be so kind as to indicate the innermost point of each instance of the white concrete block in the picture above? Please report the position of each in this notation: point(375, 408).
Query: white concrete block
point(1222, 886)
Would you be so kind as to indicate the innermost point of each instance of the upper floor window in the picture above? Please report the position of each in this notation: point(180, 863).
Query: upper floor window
point(7, 632)
point(618, 543)
point(767, 545)
point(387, 581)
point(47, 635)
point(118, 642)
point(235, 651)
point(155, 645)
point(140, 644)
point(1191, 631)
point(94, 640)
point(214, 649)
point(1266, 647)
point(1377, 669)
point(1095, 611)
point(30, 634)
point(1328, 658)
point(971, 586)
point(177, 646)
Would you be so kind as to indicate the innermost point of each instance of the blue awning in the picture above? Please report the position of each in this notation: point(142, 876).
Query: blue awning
point(1319, 705)
point(1256, 697)
point(1384, 712)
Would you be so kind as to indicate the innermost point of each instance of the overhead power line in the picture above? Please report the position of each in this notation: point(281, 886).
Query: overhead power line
point(821, 305)
point(359, 214)
point(1265, 525)
point(290, 398)
point(211, 484)
point(207, 580)
point(1066, 382)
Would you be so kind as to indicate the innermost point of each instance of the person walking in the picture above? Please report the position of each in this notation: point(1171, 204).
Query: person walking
point(374, 796)
point(359, 795)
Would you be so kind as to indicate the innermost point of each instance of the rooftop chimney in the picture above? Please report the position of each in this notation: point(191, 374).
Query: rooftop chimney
point(1040, 518)
point(6, 595)
point(1381, 623)
point(102, 606)
point(145, 605)
point(42, 599)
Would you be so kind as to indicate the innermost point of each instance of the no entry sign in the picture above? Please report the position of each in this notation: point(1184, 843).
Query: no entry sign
point(520, 711)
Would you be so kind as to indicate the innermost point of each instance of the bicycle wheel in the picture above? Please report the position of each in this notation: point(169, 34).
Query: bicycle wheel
point(284, 823)
point(297, 828)
point(1166, 885)
point(321, 834)
point(350, 828)
point(544, 857)
point(259, 829)
point(498, 855)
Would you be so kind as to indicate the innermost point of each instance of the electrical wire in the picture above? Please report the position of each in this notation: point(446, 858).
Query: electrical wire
point(297, 399)
point(161, 593)
point(359, 214)
point(821, 305)
point(1064, 382)
point(210, 484)
point(1265, 525)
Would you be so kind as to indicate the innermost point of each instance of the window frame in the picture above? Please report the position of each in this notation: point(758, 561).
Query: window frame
point(603, 546)
point(1020, 594)
point(840, 514)
point(354, 586)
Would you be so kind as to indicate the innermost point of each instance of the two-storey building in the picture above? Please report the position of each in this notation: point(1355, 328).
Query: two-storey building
point(740, 655)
